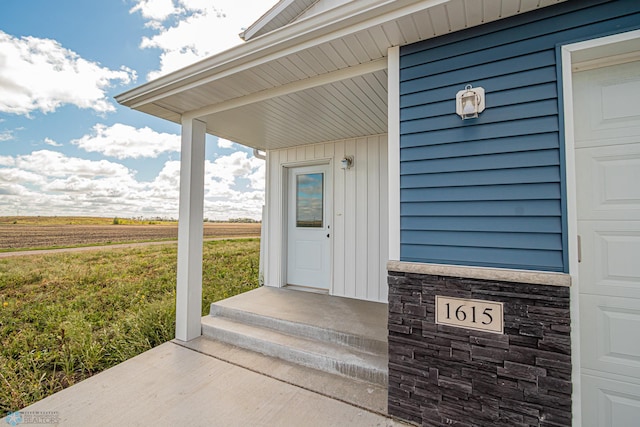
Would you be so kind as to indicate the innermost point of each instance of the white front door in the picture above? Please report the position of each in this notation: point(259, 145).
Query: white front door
point(607, 140)
point(308, 227)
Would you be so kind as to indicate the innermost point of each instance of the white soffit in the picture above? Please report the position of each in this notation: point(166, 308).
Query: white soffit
point(243, 94)
point(345, 109)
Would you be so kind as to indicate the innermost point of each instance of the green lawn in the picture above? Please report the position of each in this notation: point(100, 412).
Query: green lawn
point(65, 317)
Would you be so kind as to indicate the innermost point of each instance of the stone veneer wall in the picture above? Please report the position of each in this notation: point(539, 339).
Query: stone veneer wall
point(441, 375)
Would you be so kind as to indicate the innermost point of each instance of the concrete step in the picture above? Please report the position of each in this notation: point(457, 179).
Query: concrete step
point(306, 345)
point(325, 334)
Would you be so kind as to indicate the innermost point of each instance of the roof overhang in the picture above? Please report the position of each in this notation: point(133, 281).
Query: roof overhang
point(282, 13)
point(323, 78)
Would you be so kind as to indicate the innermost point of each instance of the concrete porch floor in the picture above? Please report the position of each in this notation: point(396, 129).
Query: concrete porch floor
point(171, 385)
point(205, 382)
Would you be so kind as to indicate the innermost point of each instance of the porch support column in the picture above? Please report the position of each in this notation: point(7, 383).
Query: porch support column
point(190, 230)
point(393, 138)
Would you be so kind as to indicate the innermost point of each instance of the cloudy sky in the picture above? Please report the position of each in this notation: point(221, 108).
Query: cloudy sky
point(67, 148)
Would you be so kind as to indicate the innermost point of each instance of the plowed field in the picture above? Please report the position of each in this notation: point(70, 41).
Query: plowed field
point(17, 236)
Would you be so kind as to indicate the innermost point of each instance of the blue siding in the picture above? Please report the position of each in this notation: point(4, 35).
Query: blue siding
point(490, 191)
point(542, 224)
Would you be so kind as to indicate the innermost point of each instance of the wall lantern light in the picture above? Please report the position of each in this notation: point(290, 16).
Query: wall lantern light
point(346, 163)
point(470, 102)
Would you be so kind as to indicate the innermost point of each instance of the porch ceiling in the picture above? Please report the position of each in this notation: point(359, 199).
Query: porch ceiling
point(344, 109)
point(318, 79)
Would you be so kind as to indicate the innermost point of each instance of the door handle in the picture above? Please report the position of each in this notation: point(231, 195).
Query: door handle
point(579, 248)
point(327, 234)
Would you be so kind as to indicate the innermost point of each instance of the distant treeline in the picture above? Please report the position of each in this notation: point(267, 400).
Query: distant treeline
point(236, 220)
point(118, 220)
point(157, 219)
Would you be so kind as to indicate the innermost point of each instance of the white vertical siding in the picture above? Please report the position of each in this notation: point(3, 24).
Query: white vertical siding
point(339, 225)
point(384, 217)
point(373, 221)
point(360, 219)
point(360, 208)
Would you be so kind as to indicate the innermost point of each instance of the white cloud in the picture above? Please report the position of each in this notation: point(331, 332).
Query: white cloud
point(20, 176)
point(155, 10)
point(228, 168)
point(190, 30)
point(55, 164)
point(48, 182)
point(257, 178)
point(6, 135)
point(223, 199)
point(225, 143)
point(167, 183)
point(123, 141)
point(40, 74)
point(52, 143)
point(7, 161)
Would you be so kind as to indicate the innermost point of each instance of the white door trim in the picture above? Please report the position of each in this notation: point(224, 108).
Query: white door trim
point(286, 168)
point(595, 53)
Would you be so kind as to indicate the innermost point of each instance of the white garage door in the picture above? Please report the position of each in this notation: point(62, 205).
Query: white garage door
point(607, 126)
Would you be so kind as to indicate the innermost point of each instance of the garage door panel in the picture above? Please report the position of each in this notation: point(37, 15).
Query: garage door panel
point(610, 258)
point(607, 154)
point(608, 107)
point(604, 182)
point(613, 325)
point(616, 402)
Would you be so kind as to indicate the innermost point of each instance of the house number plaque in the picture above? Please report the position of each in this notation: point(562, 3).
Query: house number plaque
point(470, 313)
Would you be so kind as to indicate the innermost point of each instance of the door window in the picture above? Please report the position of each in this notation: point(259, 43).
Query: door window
point(309, 200)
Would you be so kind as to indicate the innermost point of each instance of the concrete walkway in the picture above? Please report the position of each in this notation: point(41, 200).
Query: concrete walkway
point(171, 385)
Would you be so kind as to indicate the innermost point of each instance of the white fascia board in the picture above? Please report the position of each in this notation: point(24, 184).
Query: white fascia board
point(335, 23)
point(276, 10)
